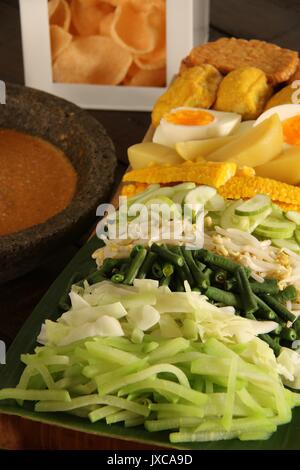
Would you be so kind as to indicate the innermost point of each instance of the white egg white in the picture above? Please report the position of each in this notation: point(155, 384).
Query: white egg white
point(168, 133)
point(284, 111)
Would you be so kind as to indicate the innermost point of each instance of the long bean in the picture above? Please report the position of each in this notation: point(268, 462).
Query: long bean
point(109, 264)
point(184, 273)
point(280, 309)
point(168, 255)
point(135, 265)
point(266, 315)
point(289, 334)
point(273, 343)
point(135, 250)
point(118, 278)
point(220, 277)
point(231, 285)
point(168, 269)
point(95, 276)
point(224, 263)
point(198, 275)
point(269, 286)
point(145, 269)
point(178, 285)
point(208, 273)
point(165, 281)
point(265, 311)
point(248, 299)
point(156, 270)
point(289, 293)
point(277, 330)
point(296, 326)
point(221, 296)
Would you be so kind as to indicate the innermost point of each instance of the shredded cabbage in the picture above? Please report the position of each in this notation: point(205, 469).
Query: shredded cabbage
point(106, 309)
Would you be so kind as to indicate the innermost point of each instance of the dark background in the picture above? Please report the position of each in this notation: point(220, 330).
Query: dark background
point(277, 21)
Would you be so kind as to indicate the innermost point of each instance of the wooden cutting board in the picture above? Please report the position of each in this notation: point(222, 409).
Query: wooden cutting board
point(18, 433)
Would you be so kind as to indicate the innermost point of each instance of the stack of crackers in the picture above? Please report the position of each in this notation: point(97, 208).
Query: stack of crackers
point(108, 42)
point(227, 54)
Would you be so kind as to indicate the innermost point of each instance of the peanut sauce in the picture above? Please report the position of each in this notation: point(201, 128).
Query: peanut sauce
point(37, 181)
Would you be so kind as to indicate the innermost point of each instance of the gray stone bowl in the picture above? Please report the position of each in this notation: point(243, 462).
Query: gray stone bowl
point(86, 144)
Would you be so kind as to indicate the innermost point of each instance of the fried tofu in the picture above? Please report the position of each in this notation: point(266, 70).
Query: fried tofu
point(244, 91)
point(228, 54)
point(195, 87)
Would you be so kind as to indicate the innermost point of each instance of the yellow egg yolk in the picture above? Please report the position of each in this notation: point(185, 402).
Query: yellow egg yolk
point(291, 130)
point(189, 117)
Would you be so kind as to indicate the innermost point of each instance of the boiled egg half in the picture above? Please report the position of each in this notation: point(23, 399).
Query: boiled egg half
point(289, 115)
point(183, 124)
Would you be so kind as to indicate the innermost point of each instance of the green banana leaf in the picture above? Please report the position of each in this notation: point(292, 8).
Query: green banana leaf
point(286, 438)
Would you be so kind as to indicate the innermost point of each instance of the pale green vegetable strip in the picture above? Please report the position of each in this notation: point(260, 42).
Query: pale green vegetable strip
point(173, 423)
point(78, 402)
point(252, 404)
point(238, 425)
point(229, 405)
point(255, 436)
point(122, 343)
point(121, 371)
point(92, 370)
point(68, 382)
point(27, 373)
point(284, 411)
point(133, 422)
point(137, 336)
point(216, 406)
point(107, 388)
point(74, 370)
point(45, 374)
point(214, 366)
point(107, 353)
point(178, 410)
point(264, 398)
point(31, 359)
point(85, 389)
point(120, 416)
point(197, 398)
point(171, 348)
point(35, 395)
point(101, 413)
point(189, 356)
point(149, 347)
point(177, 437)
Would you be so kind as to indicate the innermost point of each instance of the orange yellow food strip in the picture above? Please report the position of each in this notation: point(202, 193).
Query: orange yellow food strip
point(288, 207)
point(245, 171)
point(247, 187)
point(210, 173)
point(133, 189)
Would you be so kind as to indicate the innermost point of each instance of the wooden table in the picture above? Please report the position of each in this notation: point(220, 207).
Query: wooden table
point(274, 20)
